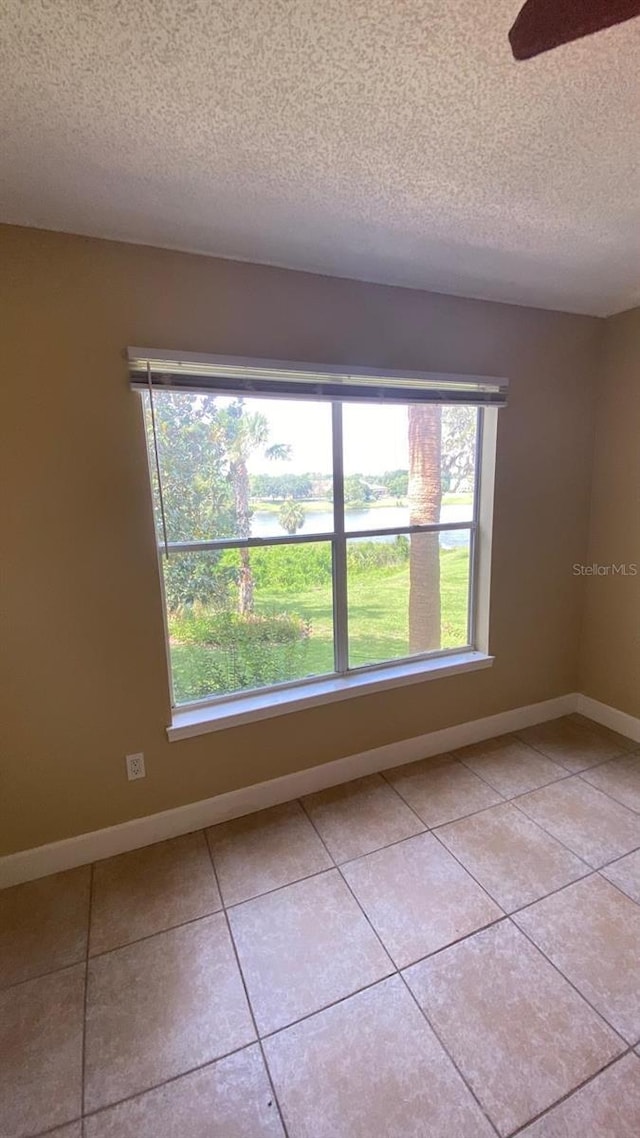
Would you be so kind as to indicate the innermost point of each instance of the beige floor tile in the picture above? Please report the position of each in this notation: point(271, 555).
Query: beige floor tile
point(591, 932)
point(73, 1130)
point(509, 765)
point(519, 1033)
point(607, 1107)
point(418, 898)
point(575, 742)
point(265, 851)
point(620, 778)
point(157, 1008)
point(43, 925)
point(509, 855)
point(441, 791)
point(370, 1067)
point(361, 816)
point(303, 947)
point(231, 1098)
point(587, 821)
point(146, 891)
point(623, 740)
point(625, 873)
point(41, 1050)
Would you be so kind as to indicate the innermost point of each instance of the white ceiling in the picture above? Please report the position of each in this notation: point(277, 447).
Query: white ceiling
point(388, 140)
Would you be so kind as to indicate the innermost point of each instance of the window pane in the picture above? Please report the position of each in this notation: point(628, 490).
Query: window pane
point(241, 467)
point(407, 595)
point(408, 465)
point(242, 619)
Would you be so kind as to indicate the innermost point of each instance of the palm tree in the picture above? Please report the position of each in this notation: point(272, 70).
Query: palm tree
point(244, 433)
point(291, 516)
point(425, 497)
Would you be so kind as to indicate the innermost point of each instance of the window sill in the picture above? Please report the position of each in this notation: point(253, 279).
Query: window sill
point(266, 705)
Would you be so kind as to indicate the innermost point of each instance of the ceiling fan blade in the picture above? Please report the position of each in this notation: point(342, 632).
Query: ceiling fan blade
point(545, 24)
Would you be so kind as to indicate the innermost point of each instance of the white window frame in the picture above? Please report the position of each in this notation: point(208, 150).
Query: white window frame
point(220, 711)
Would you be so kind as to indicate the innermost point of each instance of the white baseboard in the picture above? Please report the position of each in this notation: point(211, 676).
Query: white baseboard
point(56, 856)
point(610, 717)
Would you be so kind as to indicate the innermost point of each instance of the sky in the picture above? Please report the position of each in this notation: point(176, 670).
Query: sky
point(375, 437)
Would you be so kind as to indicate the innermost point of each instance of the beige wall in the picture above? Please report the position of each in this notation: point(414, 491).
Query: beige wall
point(611, 637)
point(84, 678)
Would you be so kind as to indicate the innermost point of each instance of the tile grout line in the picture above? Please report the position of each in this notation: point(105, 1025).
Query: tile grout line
point(508, 797)
point(480, 886)
point(506, 913)
point(551, 893)
point(86, 1000)
point(569, 1094)
point(269, 1035)
point(615, 860)
point(594, 868)
point(425, 829)
point(444, 1047)
point(246, 992)
point(557, 968)
point(470, 814)
point(607, 793)
point(398, 972)
point(523, 813)
point(597, 733)
point(515, 802)
point(327, 1007)
point(159, 932)
point(515, 912)
point(509, 917)
point(277, 888)
point(148, 1090)
point(523, 794)
point(591, 870)
point(614, 885)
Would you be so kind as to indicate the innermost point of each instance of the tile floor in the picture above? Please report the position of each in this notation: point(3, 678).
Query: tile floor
point(448, 950)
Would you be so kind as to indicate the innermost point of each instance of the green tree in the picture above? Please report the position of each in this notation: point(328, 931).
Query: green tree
point(356, 490)
point(204, 450)
point(396, 482)
point(276, 487)
point(197, 498)
point(291, 516)
point(459, 426)
point(425, 498)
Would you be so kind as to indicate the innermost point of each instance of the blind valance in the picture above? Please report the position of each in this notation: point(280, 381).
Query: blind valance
point(184, 371)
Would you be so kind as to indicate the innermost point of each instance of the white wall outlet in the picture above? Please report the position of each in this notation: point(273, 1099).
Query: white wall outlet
point(135, 766)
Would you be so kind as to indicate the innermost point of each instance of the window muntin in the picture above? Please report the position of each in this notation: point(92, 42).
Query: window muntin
point(253, 598)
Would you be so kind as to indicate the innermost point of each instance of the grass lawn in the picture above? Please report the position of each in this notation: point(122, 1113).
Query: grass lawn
point(378, 625)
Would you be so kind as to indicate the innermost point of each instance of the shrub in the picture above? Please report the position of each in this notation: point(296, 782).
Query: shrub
point(286, 568)
point(363, 556)
point(217, 651)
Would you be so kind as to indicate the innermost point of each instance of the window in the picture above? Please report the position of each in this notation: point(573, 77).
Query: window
point(309, 537)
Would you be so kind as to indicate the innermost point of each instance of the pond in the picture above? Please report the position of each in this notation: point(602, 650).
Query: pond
point(266, 524)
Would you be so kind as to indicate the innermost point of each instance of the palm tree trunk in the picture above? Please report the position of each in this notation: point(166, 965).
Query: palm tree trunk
point(425, 498)
point(240, 480)
point(245, 598)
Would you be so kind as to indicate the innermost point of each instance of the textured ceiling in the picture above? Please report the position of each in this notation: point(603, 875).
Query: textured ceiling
point(390, 140)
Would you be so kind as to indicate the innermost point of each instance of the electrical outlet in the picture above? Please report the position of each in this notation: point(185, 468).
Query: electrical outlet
point(135, 766)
